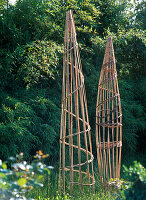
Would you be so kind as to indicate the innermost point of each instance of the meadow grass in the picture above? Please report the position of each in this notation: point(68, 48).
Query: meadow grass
point(50, 191)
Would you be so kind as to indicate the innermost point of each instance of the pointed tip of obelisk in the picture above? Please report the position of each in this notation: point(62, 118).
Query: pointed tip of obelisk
point(110, 39)
point(109, 51)
point(70, 11)
point(109, 44)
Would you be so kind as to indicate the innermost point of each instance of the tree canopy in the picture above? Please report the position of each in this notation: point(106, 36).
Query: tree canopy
point(31, 49)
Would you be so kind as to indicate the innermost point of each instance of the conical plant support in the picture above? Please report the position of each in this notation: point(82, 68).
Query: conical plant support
point(76, 158)
point(108, 120)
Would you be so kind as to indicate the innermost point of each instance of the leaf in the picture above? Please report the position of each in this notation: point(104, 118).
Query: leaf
point(4, 166)
point(40, 184)
point(22, 182)
point(48, 171)
point(39, 177)
point(2, 175)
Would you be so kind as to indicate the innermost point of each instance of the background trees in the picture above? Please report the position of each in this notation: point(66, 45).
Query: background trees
point(31, 42)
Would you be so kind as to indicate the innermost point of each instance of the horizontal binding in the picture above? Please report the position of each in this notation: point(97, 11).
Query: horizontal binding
point(113, 125)
point(109, 145)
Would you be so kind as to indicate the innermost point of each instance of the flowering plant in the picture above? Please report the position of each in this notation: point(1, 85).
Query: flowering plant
point(18, 177)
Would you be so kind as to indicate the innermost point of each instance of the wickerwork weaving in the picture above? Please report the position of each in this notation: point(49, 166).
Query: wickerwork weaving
point(76, 158)
point(108, 119)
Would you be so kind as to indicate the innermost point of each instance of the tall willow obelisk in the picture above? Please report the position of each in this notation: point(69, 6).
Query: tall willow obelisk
point(76, 159)
point(108, 119)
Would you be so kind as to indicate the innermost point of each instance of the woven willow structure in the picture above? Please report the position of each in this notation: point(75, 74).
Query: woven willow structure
point(76, 157)
point(108, 119)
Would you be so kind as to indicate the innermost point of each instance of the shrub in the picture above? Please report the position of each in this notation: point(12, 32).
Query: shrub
point(136, 175)
point(21, 177)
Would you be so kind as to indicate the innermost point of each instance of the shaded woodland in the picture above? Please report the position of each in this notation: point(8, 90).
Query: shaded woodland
point(31, 47)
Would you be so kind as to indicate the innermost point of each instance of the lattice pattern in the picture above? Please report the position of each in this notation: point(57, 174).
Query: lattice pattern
point(75, 139)
point(108, 119)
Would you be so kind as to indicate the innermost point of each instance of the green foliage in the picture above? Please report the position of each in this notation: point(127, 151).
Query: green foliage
point(28, 122)
point(50, 191)
point(36, 61)
point(133, 114)
point(22, 177)
point(2, 4)
point(5, 67)
point(112, 15)
point(99, 196)
point(136, 174)
point(140, 11)
point(130, 47)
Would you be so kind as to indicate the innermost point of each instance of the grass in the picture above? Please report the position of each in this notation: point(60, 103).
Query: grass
point(50, 191)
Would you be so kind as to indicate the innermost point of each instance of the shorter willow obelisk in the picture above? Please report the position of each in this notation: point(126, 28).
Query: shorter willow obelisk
point(108, 119)
point(76, 158)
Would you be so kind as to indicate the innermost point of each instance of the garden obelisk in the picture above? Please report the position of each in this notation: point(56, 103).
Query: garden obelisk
point(108, 119)
point(76, 158)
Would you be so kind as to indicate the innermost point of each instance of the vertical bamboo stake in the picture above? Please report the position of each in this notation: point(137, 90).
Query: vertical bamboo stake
point(76, 158)
point(108, 119)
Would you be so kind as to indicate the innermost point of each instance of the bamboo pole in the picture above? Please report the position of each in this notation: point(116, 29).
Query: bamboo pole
point(108, 119)
point(75, 136)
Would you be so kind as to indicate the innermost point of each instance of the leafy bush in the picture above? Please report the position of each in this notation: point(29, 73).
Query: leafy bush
point(29, 120)
point(35, 61)
point(21, 177)
point(136, 175)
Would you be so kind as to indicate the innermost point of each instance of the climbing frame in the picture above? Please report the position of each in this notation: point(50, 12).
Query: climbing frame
point(108, 119)
point(76, 158)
